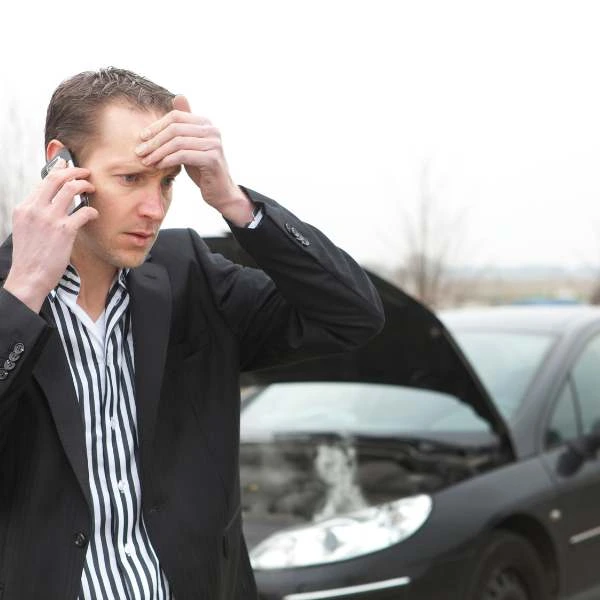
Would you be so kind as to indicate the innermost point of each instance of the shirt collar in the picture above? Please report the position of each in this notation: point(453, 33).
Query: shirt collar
point(70, 283)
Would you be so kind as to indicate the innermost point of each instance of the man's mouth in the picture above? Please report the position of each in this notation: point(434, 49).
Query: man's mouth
point(140, 237)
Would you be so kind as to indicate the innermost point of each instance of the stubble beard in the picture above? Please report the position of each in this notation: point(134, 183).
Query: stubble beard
point(91, 248)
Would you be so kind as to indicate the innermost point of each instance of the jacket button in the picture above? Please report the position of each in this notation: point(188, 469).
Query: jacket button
point(19, 348)
point(288, 227)
point(9, 365)
point(3, 374)
point(14, 356)
point(80, 539)
point(305, 242)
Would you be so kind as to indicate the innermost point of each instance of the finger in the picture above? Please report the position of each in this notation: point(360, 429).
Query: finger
point(186, 157)
point(55, 180)
point(174, 116)
point(174, 130)
point(63, 199)
point(191, 146)
point(180, 135)
point(82, 216)
point(180, 102)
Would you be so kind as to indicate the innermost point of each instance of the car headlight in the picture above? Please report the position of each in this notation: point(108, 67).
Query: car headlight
point(343, 537)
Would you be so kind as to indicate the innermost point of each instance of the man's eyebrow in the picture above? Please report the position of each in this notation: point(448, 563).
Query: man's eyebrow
point(136, 167)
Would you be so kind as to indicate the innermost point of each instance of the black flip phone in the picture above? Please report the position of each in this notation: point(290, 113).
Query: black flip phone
point(80, 199)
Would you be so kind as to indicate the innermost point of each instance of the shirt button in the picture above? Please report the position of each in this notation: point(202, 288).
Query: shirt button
point(80, 539)
point(128, 549)
point(113, 423)
point(121, 485)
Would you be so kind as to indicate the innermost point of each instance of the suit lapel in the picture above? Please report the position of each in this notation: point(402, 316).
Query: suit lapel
point(54, 376)
point(150, 303)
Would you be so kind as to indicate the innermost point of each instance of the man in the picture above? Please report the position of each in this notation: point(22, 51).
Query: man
point(119, 370)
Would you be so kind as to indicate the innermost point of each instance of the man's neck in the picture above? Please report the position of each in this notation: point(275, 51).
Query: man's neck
point(96, 279)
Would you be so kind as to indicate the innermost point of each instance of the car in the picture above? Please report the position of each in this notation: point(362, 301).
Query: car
point(450, 458)
point(453, 457)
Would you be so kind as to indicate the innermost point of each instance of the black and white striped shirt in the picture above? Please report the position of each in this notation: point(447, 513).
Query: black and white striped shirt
point(120, 560)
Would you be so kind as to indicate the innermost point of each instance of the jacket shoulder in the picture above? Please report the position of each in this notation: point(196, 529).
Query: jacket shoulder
point(179, 243)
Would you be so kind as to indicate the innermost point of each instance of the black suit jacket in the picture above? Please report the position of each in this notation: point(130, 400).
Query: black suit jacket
point(197, 321)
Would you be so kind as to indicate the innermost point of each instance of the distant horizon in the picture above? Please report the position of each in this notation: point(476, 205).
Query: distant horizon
point(531, 270)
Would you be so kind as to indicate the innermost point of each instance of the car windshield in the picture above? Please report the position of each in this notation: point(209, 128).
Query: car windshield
point(506, 362)
point(355, 407)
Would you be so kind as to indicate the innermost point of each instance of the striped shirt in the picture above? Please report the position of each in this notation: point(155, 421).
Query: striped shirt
point(120, 560)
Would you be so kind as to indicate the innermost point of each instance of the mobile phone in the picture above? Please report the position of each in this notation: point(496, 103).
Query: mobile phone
point(79, 200)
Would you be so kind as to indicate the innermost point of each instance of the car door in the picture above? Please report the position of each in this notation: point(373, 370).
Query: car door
point(576, 518)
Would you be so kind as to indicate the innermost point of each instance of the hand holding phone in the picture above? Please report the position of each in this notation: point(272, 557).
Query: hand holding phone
point(79, 200)
point(43, 233)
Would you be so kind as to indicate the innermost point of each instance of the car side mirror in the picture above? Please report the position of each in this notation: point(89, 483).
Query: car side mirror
point(577, 452)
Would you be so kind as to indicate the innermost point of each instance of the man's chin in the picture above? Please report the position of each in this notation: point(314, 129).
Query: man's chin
point(128, 260)
point(131, 262)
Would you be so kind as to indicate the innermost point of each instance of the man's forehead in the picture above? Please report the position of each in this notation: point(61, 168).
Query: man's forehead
point(120, 121)
point(118, 133)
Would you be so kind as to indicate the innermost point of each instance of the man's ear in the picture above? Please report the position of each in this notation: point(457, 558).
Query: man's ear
point(53, 148)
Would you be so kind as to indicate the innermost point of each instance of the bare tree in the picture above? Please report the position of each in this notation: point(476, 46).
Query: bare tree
point(433, 239)
point(17, 161)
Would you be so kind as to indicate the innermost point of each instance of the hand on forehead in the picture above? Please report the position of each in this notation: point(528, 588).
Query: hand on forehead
point(178, 137)
point(181, 113)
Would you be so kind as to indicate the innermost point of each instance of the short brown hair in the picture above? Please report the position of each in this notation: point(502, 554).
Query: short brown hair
point(76, 103)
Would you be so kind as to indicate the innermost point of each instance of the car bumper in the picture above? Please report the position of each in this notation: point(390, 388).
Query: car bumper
point(354, 580)
point(389, 585)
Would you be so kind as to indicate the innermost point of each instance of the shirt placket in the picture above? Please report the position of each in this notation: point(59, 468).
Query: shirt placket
point(113, 419)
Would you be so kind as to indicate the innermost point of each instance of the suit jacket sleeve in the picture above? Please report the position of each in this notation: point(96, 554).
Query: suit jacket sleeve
point(23, 334)
point(308, 298)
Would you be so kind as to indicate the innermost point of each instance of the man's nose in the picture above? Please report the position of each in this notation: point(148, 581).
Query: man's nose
point(153, 203)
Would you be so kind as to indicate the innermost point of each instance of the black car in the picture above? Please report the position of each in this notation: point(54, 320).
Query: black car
point(451, 458)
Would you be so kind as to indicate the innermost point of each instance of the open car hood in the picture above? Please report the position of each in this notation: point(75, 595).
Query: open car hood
point(414, 349)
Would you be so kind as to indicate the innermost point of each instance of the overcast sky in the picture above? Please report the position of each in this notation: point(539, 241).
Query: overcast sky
point(334, 107)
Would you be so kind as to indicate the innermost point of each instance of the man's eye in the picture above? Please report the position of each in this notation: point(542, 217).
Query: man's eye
point(130, 178)
point(168, 181)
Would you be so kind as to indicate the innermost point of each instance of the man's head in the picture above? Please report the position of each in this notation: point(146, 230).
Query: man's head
point(99, 117)
point(77, 103)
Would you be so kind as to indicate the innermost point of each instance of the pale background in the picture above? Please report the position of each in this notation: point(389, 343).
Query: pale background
point(334, 107)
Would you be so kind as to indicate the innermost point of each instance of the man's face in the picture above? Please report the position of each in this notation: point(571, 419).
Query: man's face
point(132, 199)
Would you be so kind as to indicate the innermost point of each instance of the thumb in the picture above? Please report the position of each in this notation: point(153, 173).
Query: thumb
point(180, 102)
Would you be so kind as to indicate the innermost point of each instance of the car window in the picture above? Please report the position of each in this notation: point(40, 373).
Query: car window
point(356, 407)
point(586, 380)
point(563, 425)
point(506, 362)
